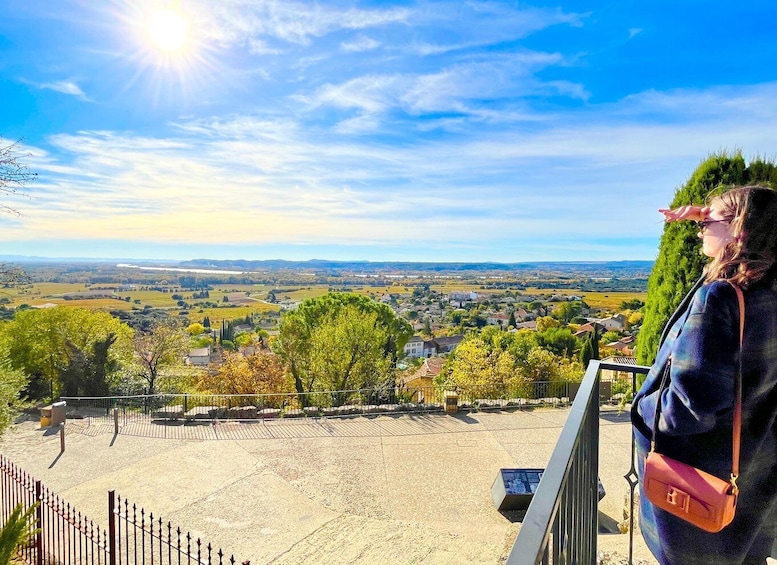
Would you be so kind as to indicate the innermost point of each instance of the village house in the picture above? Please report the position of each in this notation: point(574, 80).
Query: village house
point(624, 345)
point(521, 314)
point(414, 347)
point(199, 357)
point(590, 327)
point(421, 382)
point(610, 375)
point(417, 347)
point(616, 322)
point(459, 299)
point(498, 319)
point(448, 343)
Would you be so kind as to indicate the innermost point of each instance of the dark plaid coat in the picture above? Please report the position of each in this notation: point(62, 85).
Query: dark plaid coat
point(696, 421)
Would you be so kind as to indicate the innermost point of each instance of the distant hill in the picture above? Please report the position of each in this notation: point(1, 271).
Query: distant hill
point(544, 269)
point(625, 269)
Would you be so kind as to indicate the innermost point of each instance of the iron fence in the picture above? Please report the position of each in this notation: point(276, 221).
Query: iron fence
point(65, 536)
point(195, 407)
point(561, 523)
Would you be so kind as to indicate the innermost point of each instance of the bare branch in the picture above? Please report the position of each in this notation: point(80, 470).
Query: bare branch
point(14, 175)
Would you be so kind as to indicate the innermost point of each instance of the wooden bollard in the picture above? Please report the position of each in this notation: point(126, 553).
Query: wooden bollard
point(62, 437)
point(116, 421)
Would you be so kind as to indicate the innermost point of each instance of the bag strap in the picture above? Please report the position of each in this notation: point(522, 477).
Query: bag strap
point(737, 431)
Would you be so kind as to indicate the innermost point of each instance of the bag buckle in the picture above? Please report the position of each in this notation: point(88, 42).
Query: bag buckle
point(734, 487)
point(677, 497)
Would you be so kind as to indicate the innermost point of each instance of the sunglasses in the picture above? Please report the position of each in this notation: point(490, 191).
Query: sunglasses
point(705, 223)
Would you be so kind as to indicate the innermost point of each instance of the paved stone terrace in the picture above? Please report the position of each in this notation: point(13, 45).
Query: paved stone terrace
point(404, 489)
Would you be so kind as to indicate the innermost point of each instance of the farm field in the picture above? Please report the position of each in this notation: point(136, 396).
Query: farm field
point(242, 300)
point(604, 300)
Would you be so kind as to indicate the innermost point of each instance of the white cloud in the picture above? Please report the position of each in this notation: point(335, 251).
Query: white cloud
point(459, 89)
point(360, 43)
point(286, 182)
point(634, 31)
point(238, 21)
point(469, 25)
point(65, 87)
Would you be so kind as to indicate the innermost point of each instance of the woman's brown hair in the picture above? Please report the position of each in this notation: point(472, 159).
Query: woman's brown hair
point(752, 254)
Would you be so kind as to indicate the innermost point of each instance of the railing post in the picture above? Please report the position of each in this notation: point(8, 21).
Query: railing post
point(111, 527)
point(39, 524)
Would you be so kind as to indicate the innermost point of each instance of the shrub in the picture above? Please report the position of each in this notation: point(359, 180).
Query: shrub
point(17, 531)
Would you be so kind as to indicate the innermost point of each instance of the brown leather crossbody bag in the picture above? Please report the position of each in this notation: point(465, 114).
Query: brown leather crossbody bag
point(702, 499)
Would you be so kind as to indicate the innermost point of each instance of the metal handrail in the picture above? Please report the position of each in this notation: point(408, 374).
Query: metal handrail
point(563, 512)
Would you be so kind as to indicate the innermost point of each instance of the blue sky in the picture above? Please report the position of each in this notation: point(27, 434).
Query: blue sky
point(408, 131)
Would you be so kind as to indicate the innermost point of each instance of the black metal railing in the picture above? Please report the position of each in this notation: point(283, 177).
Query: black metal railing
point(195, 407)
point(561, 523)
point(64, 535)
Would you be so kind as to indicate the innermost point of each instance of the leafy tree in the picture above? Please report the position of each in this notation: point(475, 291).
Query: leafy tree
point(264, 337)
point(244, 340)
point(259, 373)
point(535, 305)
point(501, 364)
point(165, 347)
point(479, 369)
point(511, 322)
point(206, 322)
point(195, 329)
point(476, 320)
point(456, 317)
point(42, 343)
point(348, 352)
point(560, 341)
point(522, 343)
point(358, 337)
point(227, 332)
point(635, 318)
point(566, 311)
point(679, 263)
point(540, 365)
point(587, 351)
point(546, 322)
point(633, 304)
point(610, 336)
point(87, 372)
point(200, 342)
point(12, 382)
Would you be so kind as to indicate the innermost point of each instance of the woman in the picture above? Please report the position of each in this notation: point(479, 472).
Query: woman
point(739, 232)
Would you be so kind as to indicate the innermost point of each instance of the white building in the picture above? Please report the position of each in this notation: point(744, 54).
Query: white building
point(414, 347)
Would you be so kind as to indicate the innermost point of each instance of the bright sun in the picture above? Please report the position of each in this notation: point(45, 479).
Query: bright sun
point(167, 29)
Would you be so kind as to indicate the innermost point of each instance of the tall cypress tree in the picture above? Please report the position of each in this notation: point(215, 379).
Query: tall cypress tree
point(587, 351)
point(680, 261)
